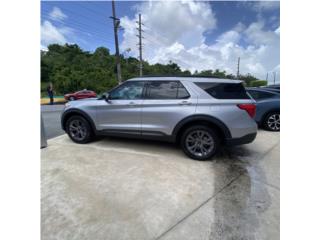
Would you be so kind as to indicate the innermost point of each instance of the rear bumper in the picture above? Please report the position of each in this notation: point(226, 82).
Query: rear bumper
point(242, 140)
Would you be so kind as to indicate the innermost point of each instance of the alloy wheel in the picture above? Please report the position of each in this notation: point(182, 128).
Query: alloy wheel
point(273, 122)
point(199, 143)
point(78, 130)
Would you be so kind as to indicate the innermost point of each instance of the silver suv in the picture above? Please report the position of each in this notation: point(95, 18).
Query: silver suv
point(199, 113)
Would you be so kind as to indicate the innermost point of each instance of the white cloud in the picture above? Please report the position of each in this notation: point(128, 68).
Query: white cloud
point(259, 6)
point(168, 22)
point(57, 15)
point(52, 34)
point(43, 48)
point(176, 31)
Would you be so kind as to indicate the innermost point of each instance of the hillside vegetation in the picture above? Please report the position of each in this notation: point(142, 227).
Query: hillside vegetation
point(70, 69)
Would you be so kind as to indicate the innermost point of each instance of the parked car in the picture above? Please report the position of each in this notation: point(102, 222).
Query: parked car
point(268, 107)
point(80, 95)
point(271, 89)
point(274, 86)
point(199, 113)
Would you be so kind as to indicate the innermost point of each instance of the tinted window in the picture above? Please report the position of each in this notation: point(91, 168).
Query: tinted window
point(82, 92)
point(182, 92)
point(128, 91)
point(224, 90)
point(166, 90)
point(260, 94)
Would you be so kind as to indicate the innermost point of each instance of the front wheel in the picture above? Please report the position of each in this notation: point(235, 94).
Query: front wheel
point(200, 142)
point(272, 122)
point(72, 98)
point(78, 129)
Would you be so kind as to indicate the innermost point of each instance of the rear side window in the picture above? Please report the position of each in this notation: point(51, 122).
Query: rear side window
point(166, 90)
point(182, 92)
point(224, 90)
point(260, 94)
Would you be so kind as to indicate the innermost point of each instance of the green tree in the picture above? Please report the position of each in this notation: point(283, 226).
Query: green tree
point(258, 83)
point(70, 69)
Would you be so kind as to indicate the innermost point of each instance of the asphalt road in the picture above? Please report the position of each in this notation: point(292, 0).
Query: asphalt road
point(51, 118)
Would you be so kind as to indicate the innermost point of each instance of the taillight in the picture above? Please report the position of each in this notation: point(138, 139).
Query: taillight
point(250, 108)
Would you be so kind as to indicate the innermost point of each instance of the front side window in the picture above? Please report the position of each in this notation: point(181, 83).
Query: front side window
point(128, 91)
point(166, 90)
point(224, 90)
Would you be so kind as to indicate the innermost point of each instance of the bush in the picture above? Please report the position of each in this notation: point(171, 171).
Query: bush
point(258, 83)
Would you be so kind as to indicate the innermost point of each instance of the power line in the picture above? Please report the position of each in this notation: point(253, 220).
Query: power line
point(84, 29)
point(152, 39)
point(91, 3)
point(86, 17)
point(87, 28)
point(157, 34)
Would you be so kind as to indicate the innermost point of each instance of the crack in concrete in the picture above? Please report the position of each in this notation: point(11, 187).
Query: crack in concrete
point(197, 208)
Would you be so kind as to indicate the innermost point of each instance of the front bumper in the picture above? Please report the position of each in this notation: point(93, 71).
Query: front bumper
point(242, 140)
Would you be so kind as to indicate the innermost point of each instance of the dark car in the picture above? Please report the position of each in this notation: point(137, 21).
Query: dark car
point(271, 89)
point(273, 86)
point(80, 95)
point(268, 107)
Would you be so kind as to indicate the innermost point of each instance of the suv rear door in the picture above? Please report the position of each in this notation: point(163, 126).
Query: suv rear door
point(165, 104)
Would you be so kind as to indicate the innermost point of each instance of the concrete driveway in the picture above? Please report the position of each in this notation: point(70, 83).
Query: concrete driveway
point(130, 189)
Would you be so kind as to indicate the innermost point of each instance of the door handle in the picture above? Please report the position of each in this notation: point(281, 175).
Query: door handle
point(132, 104)
point(185, 103)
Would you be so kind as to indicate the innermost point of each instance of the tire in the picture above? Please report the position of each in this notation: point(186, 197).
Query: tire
point(72, 98)
point(197, 135)
point(272, 122)
point(79, 129)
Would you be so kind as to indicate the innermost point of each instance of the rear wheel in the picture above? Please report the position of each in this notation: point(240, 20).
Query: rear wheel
point(78, 129)
point(272, 122)
point(200, 142)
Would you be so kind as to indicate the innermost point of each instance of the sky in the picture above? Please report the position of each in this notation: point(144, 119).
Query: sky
point(197, 35)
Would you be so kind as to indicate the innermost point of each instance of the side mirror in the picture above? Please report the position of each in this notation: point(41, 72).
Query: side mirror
point(106, 97)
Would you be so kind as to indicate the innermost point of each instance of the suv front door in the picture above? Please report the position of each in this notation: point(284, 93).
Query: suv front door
point(122, 111)
point(166, 103)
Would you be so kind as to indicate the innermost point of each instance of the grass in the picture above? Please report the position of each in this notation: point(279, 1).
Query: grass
point(56, 99)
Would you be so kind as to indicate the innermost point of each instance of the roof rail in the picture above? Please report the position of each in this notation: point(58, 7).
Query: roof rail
point(185, 76)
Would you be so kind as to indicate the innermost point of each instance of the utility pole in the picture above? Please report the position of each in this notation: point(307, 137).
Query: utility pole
point(274, 77)
point(238, 72)
point(267, 77)
point(116, 25)
point(140, 44)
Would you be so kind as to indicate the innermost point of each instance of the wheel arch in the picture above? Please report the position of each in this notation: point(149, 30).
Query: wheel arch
point(263, 118)
point(201, 119)
point(76, 112)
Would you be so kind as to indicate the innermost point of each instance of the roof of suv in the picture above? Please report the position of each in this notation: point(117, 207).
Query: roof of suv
point(191, 79)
